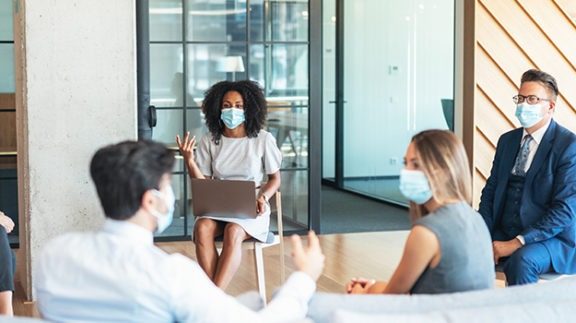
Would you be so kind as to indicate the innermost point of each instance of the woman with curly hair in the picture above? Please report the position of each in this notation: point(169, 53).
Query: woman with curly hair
point(236, 148)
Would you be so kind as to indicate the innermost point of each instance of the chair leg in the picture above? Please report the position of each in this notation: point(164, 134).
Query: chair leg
point(282, 265)
point(260, 271)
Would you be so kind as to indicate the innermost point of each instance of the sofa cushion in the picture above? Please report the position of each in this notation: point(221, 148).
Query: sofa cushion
point(323, 305)
point(563, 311)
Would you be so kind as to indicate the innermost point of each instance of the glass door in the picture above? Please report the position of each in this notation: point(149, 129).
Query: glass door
point(394, 69)
point(196, 43)
point(8, 148)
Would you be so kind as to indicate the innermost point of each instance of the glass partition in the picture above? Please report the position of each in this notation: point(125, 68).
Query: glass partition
point(394, 83)
point(8, 155)
point(196, 43)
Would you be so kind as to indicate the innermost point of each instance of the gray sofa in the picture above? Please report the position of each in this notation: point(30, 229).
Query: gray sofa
point(543, 302)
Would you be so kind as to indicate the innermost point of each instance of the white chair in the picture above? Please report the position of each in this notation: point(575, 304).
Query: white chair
point(548, 277)
point(257, 246)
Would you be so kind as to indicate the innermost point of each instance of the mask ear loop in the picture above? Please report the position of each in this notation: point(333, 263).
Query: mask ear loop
point(159, 195)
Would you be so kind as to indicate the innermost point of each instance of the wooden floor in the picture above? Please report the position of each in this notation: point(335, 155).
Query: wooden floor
point(369, 255)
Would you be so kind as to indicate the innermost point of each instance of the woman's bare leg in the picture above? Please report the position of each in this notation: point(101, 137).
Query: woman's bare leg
point(231, 255)
point(205, 230)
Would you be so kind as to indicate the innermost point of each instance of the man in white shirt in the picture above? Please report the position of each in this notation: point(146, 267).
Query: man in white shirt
point(117, 274)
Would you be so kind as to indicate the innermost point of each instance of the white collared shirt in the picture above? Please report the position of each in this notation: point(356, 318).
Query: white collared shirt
point(535, 143)
point(118, 274)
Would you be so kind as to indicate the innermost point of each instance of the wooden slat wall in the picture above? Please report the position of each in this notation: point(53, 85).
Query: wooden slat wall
point(513, 36)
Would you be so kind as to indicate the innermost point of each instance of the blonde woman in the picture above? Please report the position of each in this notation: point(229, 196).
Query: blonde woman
point(449, 248)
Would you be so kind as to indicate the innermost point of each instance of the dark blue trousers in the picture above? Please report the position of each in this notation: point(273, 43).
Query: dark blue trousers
point(525, 264)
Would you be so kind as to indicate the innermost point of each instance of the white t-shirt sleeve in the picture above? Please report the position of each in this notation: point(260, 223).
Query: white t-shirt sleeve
point(272, 158)
point(203, 155)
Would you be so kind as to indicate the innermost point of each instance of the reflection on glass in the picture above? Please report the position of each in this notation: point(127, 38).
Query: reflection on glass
point(329, 90)
point(205, 66)
point(290, 128)
point(294, 190)
point(166, 77)
point(177, 226)
point(289, 20)
point(165, 20)
point(223, 20)
point(283, 66)
point(217, 49)
point(394, 85)
point(178, 163)
point(195, 123)
point(6, 22)
point(168, 126)
point(279, 20)
point(7, 68)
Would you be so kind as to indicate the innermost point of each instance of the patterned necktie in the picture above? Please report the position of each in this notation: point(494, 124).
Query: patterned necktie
point(522, 157)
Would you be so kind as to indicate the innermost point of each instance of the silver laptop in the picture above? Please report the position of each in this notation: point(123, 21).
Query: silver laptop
point(223, 198)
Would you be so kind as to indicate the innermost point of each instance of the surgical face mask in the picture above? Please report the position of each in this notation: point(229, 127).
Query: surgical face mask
point(164, 220)
point(414, 186)
point(232, 117)
point(528, 114)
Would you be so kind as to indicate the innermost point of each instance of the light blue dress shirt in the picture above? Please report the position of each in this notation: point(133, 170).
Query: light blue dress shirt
point(117, 274)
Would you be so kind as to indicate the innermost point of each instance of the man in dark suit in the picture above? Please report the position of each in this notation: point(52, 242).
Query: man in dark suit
point(529, 199)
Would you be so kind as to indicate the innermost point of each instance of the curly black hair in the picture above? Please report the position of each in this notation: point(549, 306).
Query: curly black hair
point(255, 107)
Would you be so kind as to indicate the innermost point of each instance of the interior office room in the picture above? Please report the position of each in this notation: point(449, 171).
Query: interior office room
point(348, 83)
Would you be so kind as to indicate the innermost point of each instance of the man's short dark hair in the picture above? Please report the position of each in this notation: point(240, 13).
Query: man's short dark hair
point(123, 172)
point(543, 78)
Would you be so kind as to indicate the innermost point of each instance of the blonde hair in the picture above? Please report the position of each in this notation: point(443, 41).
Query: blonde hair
point(444, 162)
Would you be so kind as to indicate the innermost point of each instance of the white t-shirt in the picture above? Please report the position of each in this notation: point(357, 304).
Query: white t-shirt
point(246, 159)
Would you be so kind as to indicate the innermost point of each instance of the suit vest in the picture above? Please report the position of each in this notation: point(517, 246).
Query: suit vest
point(510, 223)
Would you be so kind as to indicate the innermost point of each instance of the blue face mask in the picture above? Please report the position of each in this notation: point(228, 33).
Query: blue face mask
point(528, 114)
point(232, 117)
point(164, 220)
point(414, 186)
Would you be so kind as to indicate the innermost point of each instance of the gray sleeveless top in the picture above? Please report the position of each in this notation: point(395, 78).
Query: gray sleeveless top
point(466, 247)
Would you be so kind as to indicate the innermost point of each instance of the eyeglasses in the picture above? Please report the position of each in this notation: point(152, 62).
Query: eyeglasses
point(531, 99)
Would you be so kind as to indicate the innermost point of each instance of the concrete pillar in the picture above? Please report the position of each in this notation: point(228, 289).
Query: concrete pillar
point(76, 91)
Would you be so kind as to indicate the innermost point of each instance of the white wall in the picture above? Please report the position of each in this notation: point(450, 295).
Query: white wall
point(81, 94)
point(398, 65)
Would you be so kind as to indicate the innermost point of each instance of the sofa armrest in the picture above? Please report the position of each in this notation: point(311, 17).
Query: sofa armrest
point(323, 305)
point(546, 311)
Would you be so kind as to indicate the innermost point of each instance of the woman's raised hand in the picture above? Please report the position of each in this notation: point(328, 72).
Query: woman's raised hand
point(186, 147)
